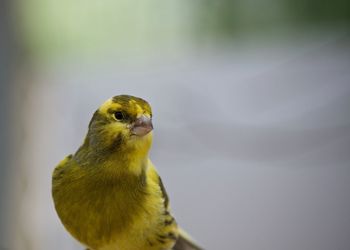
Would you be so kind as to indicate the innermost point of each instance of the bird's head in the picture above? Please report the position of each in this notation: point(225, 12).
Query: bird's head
point(121, 126)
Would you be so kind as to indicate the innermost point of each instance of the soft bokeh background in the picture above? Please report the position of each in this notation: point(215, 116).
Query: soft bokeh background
point(251, 107)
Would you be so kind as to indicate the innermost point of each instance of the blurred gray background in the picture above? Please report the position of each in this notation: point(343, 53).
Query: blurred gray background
point(251, 107)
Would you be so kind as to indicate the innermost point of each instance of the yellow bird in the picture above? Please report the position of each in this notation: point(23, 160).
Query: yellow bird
point(108, 194)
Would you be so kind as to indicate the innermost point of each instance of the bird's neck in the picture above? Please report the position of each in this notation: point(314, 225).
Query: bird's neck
point(132, 161)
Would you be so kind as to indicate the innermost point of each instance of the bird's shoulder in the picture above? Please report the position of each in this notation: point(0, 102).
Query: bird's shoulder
point(66, 169)
point(61, 167)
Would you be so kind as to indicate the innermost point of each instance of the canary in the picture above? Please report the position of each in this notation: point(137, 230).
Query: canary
point(108, 194)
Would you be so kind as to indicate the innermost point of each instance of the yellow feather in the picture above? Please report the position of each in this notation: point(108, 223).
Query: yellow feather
point(108, 194)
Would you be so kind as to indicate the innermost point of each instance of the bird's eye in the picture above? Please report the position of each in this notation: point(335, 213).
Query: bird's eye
point(119, 115)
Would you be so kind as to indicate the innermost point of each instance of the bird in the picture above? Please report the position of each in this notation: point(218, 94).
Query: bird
point(108, 194)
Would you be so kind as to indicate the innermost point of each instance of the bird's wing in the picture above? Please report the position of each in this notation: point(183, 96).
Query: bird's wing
point(185, 242)
point(60, 169)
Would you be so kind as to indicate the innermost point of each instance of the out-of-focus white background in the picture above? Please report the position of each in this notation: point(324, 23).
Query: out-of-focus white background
point(251, 107)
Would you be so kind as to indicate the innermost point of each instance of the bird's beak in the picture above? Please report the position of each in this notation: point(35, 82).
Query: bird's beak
point(142, 126)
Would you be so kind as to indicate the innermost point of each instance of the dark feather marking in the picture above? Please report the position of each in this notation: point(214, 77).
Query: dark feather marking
point(164, 194)
point(117, 142)
point(161, 236)
point(172, 236)
point(161, 241)
point(95, 117)
point(124, 100)
point(169, 222)
point(111, 111)
point(149, 242)
point(143, 178)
